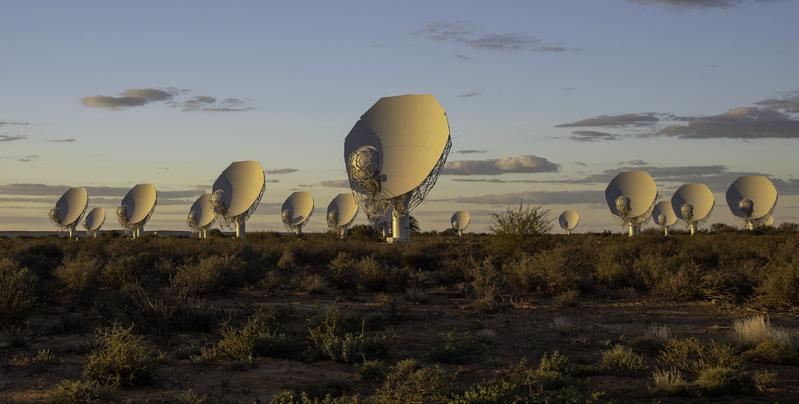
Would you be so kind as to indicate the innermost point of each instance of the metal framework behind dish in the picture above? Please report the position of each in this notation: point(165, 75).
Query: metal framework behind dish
point(61, 227)
point(229, 223)
point(750, 223)
point(291, 228)
point(375, 206)
point(647, 216)
point(127, 226)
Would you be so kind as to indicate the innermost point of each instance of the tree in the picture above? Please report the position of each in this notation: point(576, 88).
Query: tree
point(522, 223)
point(413, 225)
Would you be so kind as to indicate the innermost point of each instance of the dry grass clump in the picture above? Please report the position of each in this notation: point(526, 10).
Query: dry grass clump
point(765, 342)
point(410, 382)
point(79, 392)
point(669, 381)
point(621, 358)
point(653, 339)
point(259, 336)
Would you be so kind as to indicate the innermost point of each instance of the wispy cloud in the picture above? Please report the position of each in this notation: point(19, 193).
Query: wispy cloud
point(471, 151)
point(541, 197)
point(11, 138)
point(470, 94)
point(279, 171)
point(615, 121)
point(518, 164)
point(173, 97)
point(686, 4)
point(28, 158)
point(468, 34)
point(335, 183)
point(6, 123)
point(65, 140)
point(592, 136)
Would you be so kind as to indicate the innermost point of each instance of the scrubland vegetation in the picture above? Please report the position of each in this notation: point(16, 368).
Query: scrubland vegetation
point(507, 317)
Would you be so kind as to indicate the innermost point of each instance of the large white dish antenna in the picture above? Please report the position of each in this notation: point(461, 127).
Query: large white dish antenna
point(568, 220)
point(752, 198)
point(137, 207)
point(460, 221)
point(394, 154)
point(630, 197)
point(693, 203)
point(69, 209)
point(237, 192)
point(664, 216)
point(297, 210)
point(341, 213)
point(94, 221)
point(201, 215)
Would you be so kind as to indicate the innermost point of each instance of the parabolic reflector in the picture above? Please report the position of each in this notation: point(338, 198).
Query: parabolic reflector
point(71, 206)
point(663, 214)
point(297, 209)
point(637, 187)
point(757, 189)
point(402, 137)
point(241, 185)
point(460, 220)
point(201, 212)
point(95, 219)
point(342, 210)
point(698, 196)
point(139, 203)
point(568, 220)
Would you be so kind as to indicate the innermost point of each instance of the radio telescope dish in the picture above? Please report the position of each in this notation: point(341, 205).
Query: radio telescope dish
point(94, 221)
point(752, 198)
point(769, 222)
point(460, 221)
point(201, 216)
point(568, 220)
point(296, 211)
point(69, 209)
point(693, 203)
point(236, 194)
point(394, 154)
point(664, 216)
point(630, 197)
point(341, 213)
point(137, 207)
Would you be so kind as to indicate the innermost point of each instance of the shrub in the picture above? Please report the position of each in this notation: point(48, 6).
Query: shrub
point(516, 226)
point(310, 283)
point(781, 286)
point(454, 347)
point(41, 259)
point(621, 358)
point(410, 382)
point(332, 338)
point(287, 260)
point(18, 295)
point(653, 339)
point(122, 359)
point(486, 286)
point(216, 273)
point(669, 381)
point(690, 355)
point(765, 379)
point(259, 336)
point(721, 380)
point(341, 271)
point(80, 277)
point(78, 391)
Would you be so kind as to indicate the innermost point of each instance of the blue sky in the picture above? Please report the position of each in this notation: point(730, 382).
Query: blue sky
point(300, 74)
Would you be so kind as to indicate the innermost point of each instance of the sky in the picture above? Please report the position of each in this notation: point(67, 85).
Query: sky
point(546, 100)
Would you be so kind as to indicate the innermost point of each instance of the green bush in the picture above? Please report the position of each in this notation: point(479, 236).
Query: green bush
point(455, 347)
point(410, 382)
point(332, 337)
point(18, 293)
point(621, 358)
point(122, 359)
point(216, 273)
point(721, 380)
point(259, 336)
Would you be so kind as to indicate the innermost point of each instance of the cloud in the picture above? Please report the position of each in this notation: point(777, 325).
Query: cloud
point(615, 121)
point(335, 183)
point(65, 140)
point(28, 158)
point(471, 151)
point(519, 164)
point(470, 94)
point(696, 3)
point(94, 191)
point(137, 97)
point(11, 138)
point(591, 136)
point(737, 123)
point(788, 104)
point(638, 162)
point(466, 33)
point(539, 197)
point(279, 171)
point(498, 181)
point(2, 123)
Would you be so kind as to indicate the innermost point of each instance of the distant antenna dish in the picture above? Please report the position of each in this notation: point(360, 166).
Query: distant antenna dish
point(94, 221)
point(201, 216)
point(236, 194)
point(341, 213)
point(394, 154)
point(693, 203)
point(296, 211)
point(460, 221)
point(664, 216)
point(752, 198)
point(69, 209)
point(137, 207)
point(568, 220)
point(630, 197)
